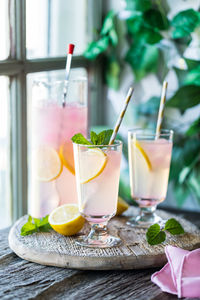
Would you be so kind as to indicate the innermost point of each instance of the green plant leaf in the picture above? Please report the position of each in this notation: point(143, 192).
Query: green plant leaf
point(193, 183)
point(180, 33)
point(28, 228)
point(181, 192)
point(181, 75)
point(96, 48)
point(184, 23)
point(35, 225)
point(194, 128)
point(124, 187)
point(184, 173)
point(140, 5)
point(150, 107)
point(94, 137)
point(113, 37)
point(43, 221)
point(174, 227)
point(193, 77)
point(108, 23)
point(154, 235)
point(143, 59)
point(142, 32)
point(148, 35)
point(104, 137)
point(135, 23)
point(191, 63)
point(156, 19)
point(112, 73)
point(186, 97)
point(80, 139)
point(190, 151)
point(177, 162)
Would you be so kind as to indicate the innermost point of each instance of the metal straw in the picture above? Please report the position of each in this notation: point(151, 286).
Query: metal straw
point(161, 109)
point(118, 123)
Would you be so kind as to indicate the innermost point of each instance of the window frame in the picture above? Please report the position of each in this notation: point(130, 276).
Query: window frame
point(17, 68)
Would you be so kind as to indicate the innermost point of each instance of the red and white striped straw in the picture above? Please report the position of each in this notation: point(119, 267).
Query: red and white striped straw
point(121, 116)
point(67, 71)
point(161, 108)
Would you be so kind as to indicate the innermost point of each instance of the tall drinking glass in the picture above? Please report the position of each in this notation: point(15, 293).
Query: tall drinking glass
point(97, 179)
point(149, 164)
point(51, 126)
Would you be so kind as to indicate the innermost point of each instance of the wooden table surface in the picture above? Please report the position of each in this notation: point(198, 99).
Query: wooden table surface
point(20, 279)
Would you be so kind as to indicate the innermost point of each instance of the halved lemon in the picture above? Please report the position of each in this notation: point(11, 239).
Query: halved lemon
point(66, 219)
point(121, 206)
point(46, 163)
point(91, 164)
point(67, 156)
point(137, 145)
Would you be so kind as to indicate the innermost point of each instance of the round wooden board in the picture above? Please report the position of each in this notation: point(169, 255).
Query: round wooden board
point(54, 249)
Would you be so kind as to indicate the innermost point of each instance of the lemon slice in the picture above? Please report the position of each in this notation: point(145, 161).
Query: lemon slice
point(46, 163)
point(137, 145)
point(91, 164)
point(67, 156)
point(121, 206)
point(66, 219)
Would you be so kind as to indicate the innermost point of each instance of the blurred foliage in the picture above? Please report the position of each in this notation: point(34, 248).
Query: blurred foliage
point(146, 29)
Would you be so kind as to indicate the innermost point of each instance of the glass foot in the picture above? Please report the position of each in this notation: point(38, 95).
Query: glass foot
point(146, 218)
point(103, 242)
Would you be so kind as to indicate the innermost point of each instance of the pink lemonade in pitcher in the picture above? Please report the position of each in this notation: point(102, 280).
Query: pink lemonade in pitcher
point(51, 161)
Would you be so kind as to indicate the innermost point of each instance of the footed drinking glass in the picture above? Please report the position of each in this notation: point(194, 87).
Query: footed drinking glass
point(149, 165)
point(97, 178)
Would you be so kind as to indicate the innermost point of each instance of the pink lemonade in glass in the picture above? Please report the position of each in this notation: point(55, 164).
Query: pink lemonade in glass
point(51, 168)
point(97, 177)
point(149, 165)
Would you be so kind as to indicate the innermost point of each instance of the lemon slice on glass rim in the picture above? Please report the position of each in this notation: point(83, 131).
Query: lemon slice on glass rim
point(66, 219)
point(47, 164)
point(91, 164)
point(143, 154)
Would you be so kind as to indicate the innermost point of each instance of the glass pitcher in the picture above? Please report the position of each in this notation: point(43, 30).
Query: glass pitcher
point(53, 120)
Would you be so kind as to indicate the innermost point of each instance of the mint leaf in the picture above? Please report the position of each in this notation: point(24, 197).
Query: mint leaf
point(28, 228)
point(45, 228)
point(154, 235)
point(104, 137)
point(94, 137)
point(174, 227)
point(35, 225)
point(80, 139)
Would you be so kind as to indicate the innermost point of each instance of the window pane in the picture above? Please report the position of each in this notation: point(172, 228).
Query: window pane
point(4, 153)
point(4, 30)
point(52, 25)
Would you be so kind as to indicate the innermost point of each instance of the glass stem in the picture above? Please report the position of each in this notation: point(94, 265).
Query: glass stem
point(98, 231)
point(147, 210)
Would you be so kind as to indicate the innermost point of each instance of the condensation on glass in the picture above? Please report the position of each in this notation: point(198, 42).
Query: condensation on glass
point(5, 192)
point(4, 30)
point(52, 25)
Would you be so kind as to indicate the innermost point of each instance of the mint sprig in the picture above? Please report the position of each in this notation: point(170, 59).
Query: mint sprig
point(35, 225)
point(102, 138)
point(155, 235)
point(80, 139)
